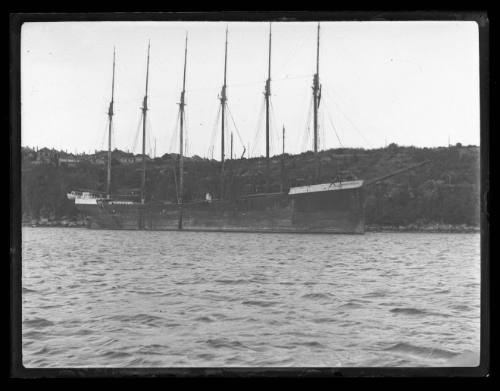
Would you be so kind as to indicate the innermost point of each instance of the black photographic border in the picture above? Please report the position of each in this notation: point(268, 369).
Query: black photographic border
point(17, 370)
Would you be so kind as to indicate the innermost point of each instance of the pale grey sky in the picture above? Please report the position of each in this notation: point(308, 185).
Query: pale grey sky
point(412, 83)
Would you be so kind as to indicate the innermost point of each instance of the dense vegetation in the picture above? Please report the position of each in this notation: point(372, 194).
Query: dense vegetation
point(444, 191)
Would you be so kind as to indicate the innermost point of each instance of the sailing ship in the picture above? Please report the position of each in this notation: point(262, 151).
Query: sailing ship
point(333, 207)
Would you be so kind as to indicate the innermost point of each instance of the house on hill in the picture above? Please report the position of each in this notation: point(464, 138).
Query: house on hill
point(468, 151)
point(98, 160)
point(47, 156)
point(138, 158)
point(69, 160)
point(28, 154)
point(123, 157)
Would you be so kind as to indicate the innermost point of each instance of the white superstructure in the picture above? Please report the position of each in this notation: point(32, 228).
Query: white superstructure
point(84, 197)
point(326, 187)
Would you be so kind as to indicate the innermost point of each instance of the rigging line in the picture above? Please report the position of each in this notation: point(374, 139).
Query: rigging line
point(305, 142)
point(289, 58)
point(186, 138)
point(322, 129)
point(149, 133)
point(348, 119)
point(278, 79)
point(215, 106)
point(260, 130)
point(227, 135)
point(334, 128)
point(214, 132)
point(271, 141)
point(235, 127)
point(274, 135)
point(175, 131)
point(255, 143)
point(103, 134)
point(355, 127)
point(306, 134)
point(137, 131)
point(319, 130)
point(113, 142)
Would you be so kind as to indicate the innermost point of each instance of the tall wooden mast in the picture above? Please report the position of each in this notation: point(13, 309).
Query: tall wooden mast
point(283, 142)
point(110, 115)
point(267, 94)
point(316, 96)
point(144, 113)
point(223, 100)
point(283, 160)
point(181, 138)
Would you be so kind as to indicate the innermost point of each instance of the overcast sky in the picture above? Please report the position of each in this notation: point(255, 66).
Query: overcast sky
point(412, 83)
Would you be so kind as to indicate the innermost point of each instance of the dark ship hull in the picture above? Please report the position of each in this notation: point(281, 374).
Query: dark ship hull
point(325, 208)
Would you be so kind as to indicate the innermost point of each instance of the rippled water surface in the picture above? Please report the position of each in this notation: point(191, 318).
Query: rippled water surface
point(124, 298)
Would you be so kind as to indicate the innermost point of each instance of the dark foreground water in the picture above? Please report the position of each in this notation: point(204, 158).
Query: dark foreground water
point(142, 299)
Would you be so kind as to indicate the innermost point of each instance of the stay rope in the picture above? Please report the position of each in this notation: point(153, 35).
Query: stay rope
point(173, 139)
point(137, 131)
point(235, 127)
point(348, 119)
point(307, 133)
point(255, 143)
point(211, 146)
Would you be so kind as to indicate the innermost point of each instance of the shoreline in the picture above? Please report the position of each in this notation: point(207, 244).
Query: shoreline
point(415, 228)
point(429, 228)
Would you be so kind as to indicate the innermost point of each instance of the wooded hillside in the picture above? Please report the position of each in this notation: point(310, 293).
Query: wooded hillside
point(444, 191)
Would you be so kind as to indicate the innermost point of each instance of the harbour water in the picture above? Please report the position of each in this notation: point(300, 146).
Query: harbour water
point(97, 298)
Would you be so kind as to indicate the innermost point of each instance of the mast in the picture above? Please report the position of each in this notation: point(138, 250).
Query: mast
point(144, 112)
point(267, 94)
point(283, 160)
point(181, 138)
point(283, 142)
point(316, 96)
point(110, 115)
point(223, 99)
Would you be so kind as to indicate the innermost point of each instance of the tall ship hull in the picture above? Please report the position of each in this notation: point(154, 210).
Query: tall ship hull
point(324, 208)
